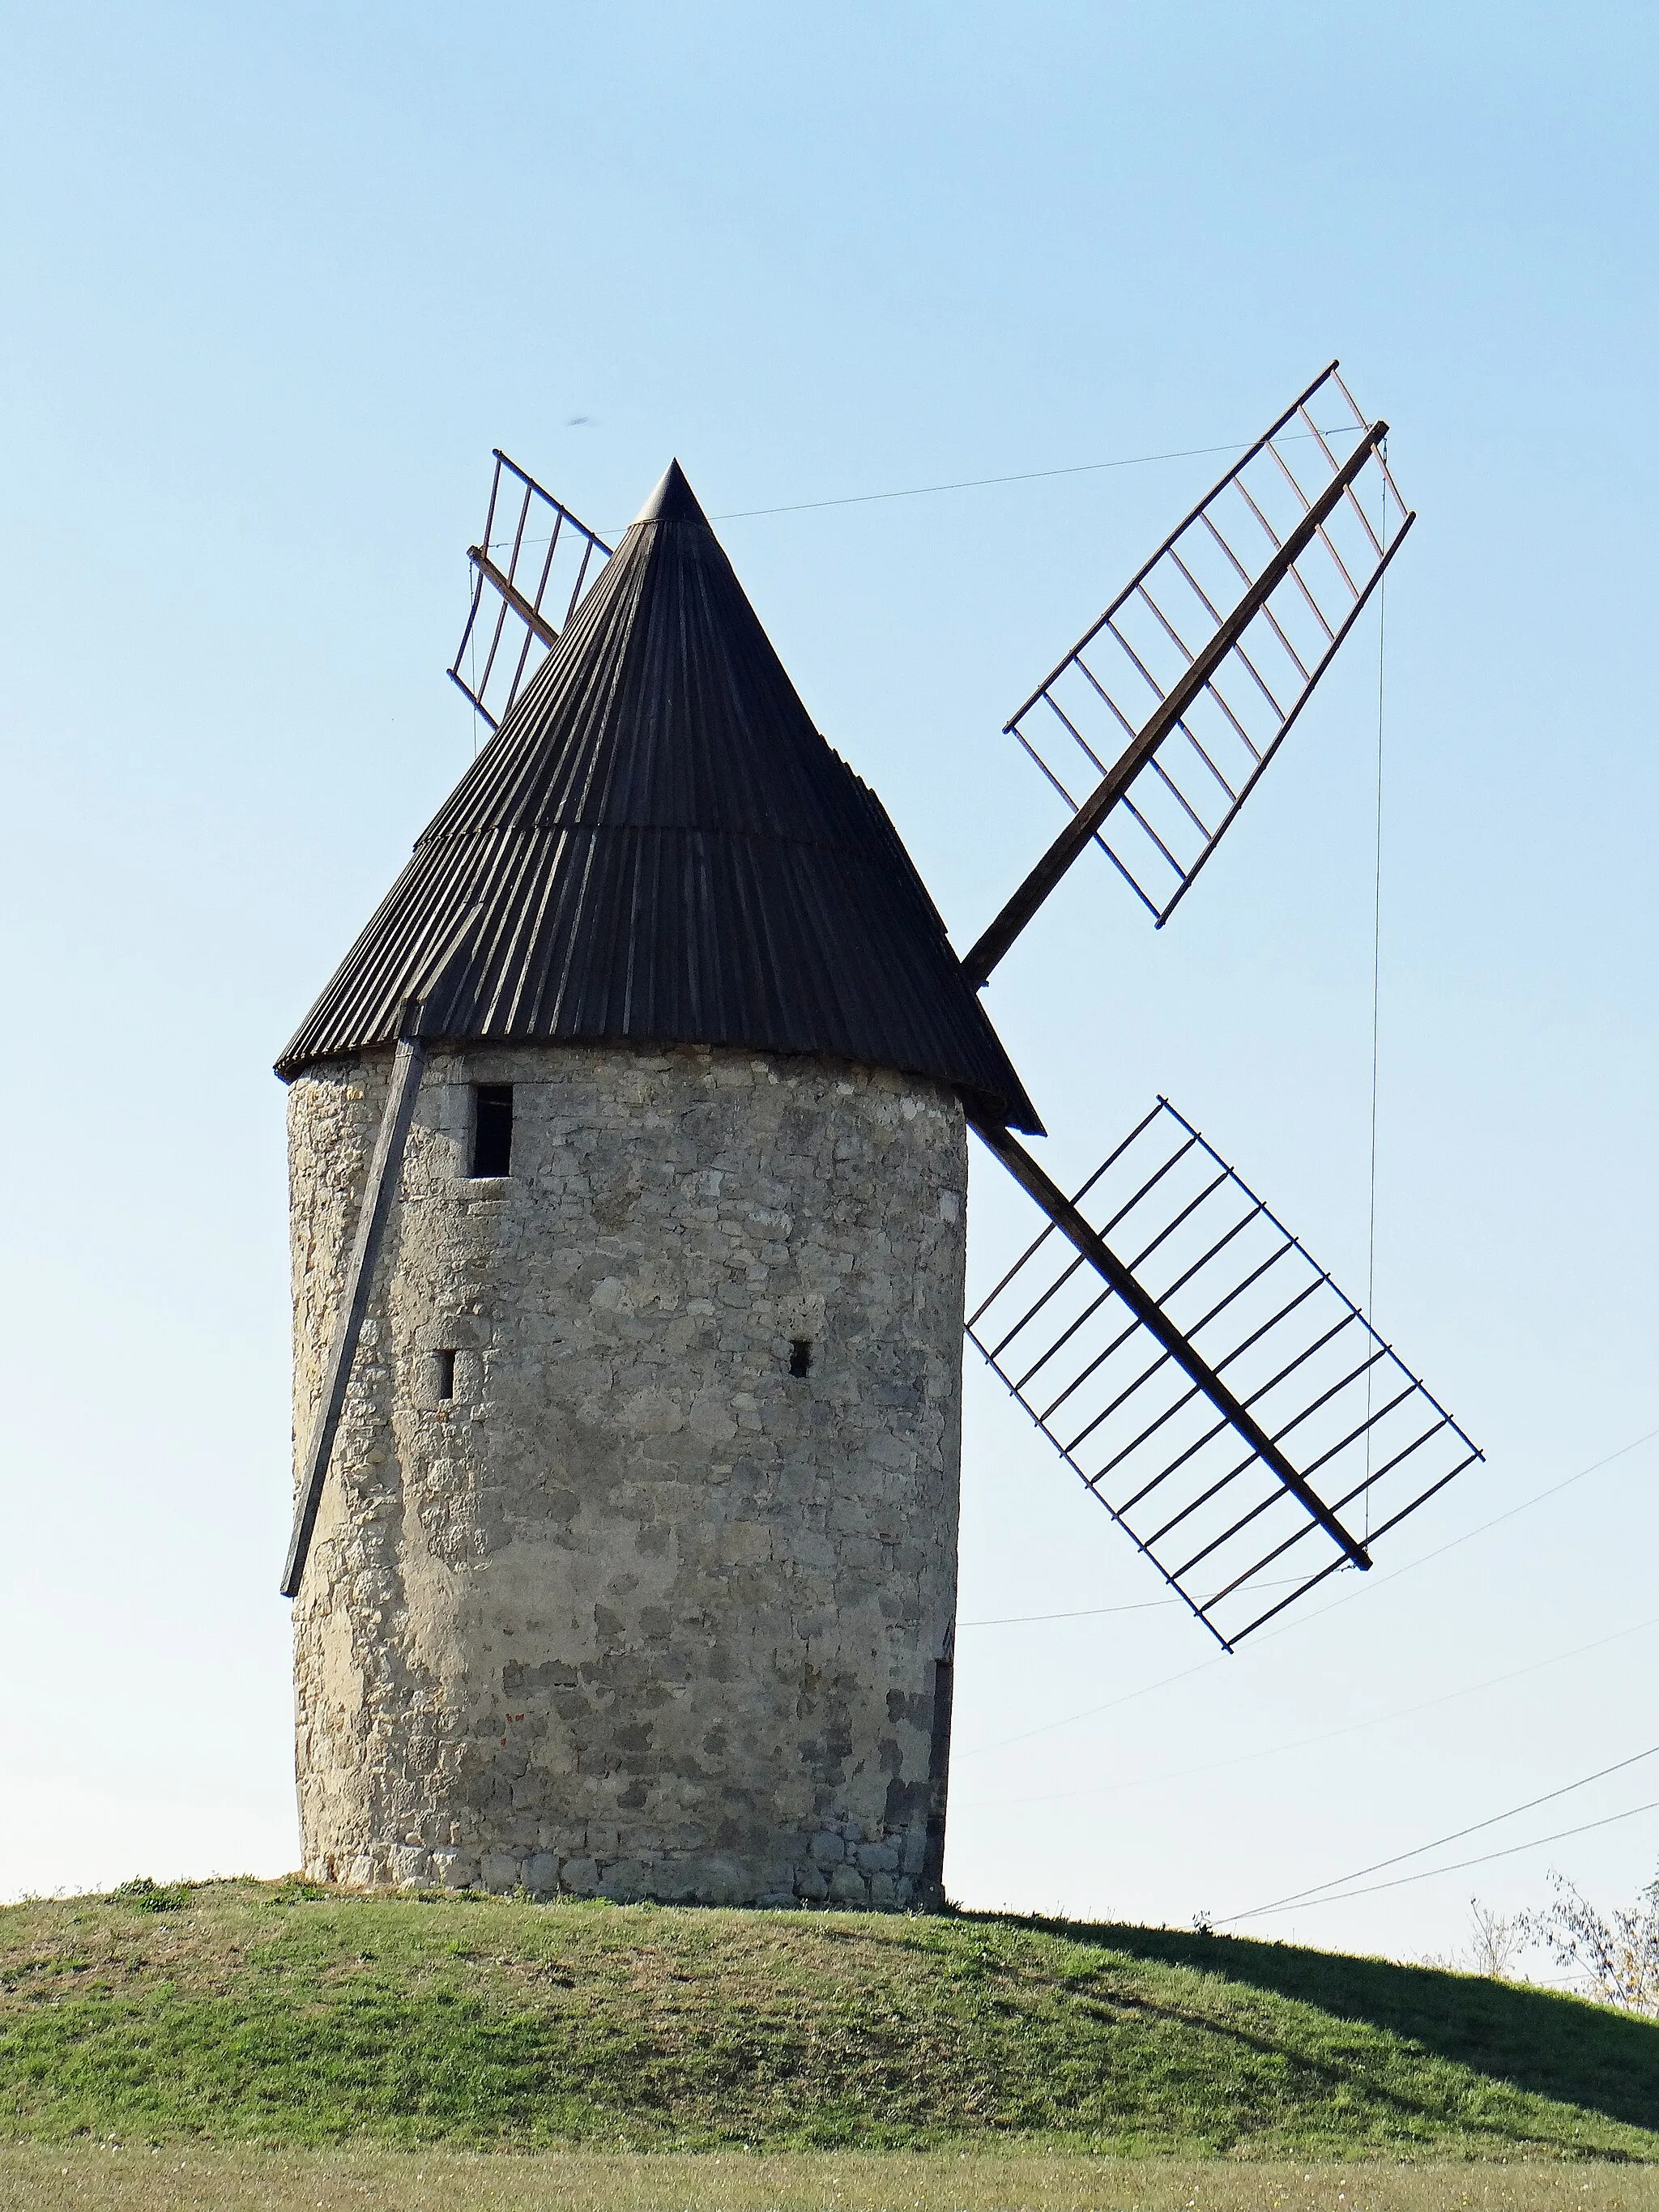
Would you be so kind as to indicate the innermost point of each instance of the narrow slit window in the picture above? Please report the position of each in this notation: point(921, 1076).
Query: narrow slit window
point(492, 1129)
point(446, 1375)
point(800, 1356)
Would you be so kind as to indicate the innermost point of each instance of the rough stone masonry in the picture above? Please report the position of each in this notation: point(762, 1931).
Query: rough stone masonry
point(637, 1558)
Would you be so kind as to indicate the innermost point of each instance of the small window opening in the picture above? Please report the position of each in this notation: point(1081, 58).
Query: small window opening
point(492, 1129)
point(446, 1375)
point(800, 1356)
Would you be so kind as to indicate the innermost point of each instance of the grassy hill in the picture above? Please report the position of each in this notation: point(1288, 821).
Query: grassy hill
point(278, 2014)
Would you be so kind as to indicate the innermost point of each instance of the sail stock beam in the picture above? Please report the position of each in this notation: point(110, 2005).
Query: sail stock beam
point(421, 1020)
point(1271, 578)
point(385, 1174)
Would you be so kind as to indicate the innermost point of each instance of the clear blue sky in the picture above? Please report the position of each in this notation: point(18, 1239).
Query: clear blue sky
point(277, 280)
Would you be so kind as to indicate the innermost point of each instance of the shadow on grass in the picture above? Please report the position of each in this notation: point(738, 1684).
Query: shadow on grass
point(1588, 2055)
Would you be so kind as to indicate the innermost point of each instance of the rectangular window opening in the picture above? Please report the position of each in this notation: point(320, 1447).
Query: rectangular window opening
point(492, 1129)
point(446, 1366)
point(800, 1356)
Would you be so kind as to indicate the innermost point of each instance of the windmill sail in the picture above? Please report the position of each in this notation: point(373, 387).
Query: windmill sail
point(1243, 1422)
point(535, 559)
point(1156, 724)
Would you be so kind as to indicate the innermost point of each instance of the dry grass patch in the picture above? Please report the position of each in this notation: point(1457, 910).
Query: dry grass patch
point(99, 2179)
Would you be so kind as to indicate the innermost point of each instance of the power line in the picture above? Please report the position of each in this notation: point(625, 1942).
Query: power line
point(1377, 980)
point(1301, 1621)
point(1111, 1705)
point(1311, 1895)
point(1099, 1612)
point(1486, 1858)
point(1148, 1605)
point(1348, 1728)
point(1375, 1581)
point(979, 484)
point(1024, 475)
point(1090, 1613)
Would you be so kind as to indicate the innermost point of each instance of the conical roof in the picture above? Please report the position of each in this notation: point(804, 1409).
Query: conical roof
point(658, 846)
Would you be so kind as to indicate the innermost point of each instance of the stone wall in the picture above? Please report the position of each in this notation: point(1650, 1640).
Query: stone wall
point(636, 1612)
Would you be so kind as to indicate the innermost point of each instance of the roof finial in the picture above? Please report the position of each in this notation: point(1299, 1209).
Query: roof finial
point(673, 500)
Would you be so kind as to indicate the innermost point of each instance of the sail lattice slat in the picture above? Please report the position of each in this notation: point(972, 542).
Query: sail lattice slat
point(529, 571)
point(1359, 1429)
point(1182, 613)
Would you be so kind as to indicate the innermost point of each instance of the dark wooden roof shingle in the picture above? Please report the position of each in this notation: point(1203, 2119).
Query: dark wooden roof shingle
point(658, 846)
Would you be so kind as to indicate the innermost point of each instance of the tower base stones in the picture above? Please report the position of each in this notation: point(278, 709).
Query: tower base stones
point(637, 1562)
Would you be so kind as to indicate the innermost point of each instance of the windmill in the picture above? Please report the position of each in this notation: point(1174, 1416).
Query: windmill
point(660, 908)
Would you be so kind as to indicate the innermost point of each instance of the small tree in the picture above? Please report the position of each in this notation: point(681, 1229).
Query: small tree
point(1616, 1962)
point(1493, 1943)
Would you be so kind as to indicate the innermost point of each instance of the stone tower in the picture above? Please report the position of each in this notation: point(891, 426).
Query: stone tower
point(634, 1570)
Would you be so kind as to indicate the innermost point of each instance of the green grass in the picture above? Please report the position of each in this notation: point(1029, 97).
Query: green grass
point(277, 2014)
